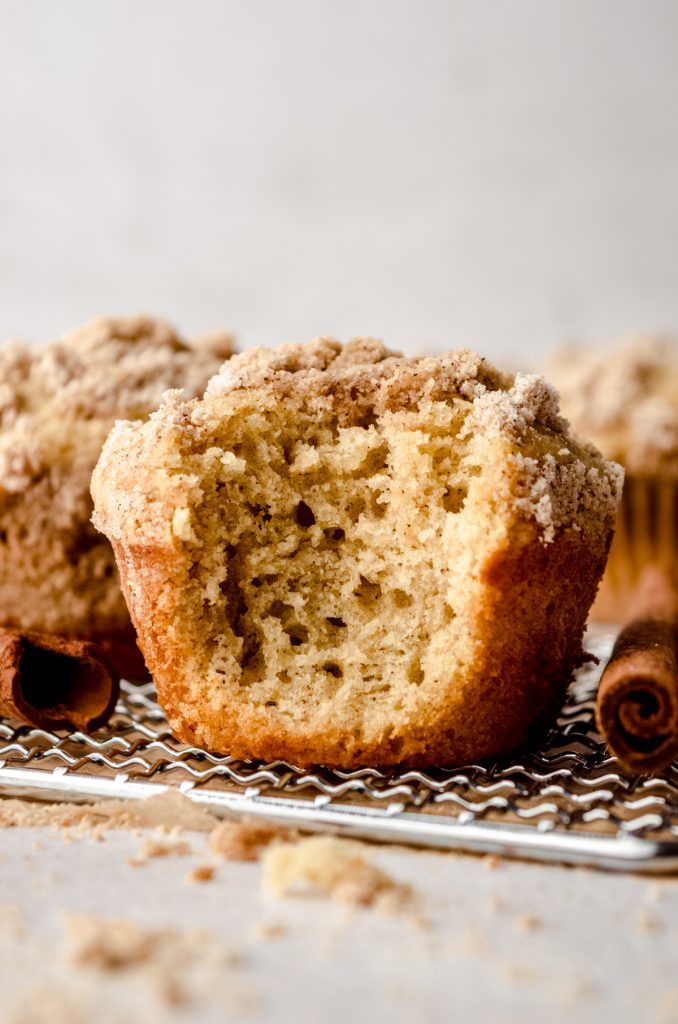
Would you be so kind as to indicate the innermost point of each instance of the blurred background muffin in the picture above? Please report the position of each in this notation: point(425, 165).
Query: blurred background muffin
point(624, 399)
point(57, 405)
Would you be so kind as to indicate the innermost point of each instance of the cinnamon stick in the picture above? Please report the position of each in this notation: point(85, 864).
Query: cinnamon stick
point(637, 704)
point(55, 683)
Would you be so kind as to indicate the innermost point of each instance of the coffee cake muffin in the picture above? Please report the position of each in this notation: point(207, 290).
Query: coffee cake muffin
point(625, 400)
point(343, 556)
point(57, 404)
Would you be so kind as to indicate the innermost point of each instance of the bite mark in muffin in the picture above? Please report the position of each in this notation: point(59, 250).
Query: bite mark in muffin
point(344, 556)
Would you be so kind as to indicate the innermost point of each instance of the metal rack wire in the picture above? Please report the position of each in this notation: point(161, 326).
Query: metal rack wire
point(568, 801)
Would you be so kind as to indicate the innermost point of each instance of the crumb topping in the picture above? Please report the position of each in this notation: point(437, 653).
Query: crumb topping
point(362, 375)
point(561, 482)
point(107, 369)
point(387, 381)
point(625, 400)
point(530, 400)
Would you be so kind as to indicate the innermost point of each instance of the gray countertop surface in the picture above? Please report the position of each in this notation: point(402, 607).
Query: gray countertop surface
point(491, 940)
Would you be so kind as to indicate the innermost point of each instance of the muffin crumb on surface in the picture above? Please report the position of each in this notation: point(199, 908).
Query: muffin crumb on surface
point(337, 868)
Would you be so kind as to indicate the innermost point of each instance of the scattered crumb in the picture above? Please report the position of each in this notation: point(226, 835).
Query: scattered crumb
point(110, 945)
point(528, 923)
point(182, 967)
point(336, 868)
point(200, 873)
point(654, 892)
point(49, 1004)
point(647, 923)
point(266, 930)
point(172, 992)
point(576, 989)
point(11, 922)
point(492, 861)
point(170, 809)
point(244, 840)
point(475, 943)
point(517, 973)
point(668, 1006)
point(160, 846)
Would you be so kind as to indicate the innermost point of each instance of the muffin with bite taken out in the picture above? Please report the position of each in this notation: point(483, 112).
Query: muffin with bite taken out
point(339, 555)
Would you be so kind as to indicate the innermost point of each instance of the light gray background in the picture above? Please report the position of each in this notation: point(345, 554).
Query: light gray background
point(503, 174)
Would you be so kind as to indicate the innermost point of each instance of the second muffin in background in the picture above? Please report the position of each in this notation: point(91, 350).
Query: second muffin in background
point(57, 404)
point(624, 399)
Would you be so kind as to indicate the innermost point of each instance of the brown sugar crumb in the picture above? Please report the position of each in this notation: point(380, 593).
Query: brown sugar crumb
point(528, 923)
point(475, 943)
point(160, 845)
point(200, 873)
point(110, 945)
point(267, 930)
point(48, 1003)
point(575, 989)
point(492, 861)
point(182, 967)
point(335, 868)
point(517, 973)
point(170, 809)
point(243, 840)
point(11, 922)
point(654, 892)
point(647, 923)
point(668, 1005)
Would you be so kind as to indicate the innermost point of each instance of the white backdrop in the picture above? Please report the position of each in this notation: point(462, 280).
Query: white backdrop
point(503, 174)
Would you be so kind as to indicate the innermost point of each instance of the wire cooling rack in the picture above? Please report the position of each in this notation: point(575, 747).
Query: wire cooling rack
point(568, 801)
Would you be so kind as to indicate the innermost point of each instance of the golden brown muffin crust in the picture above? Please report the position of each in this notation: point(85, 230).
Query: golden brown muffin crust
point(343, 556)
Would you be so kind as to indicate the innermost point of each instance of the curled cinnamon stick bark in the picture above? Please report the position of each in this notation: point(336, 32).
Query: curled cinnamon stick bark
point(637, 704)
point(54, 683)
